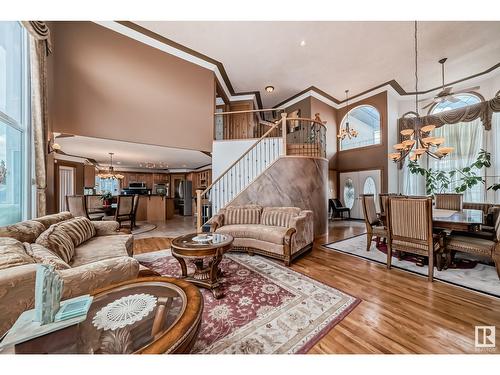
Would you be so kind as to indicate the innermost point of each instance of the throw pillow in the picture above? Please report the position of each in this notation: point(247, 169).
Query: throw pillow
point(58, 241)
point(12, 253)
point(279, 216)
point(242, 215)
point(79, 229)
point(43, 255)
point(24, 231)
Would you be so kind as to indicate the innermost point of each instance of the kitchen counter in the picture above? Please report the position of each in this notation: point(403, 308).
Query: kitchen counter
point(155, 208)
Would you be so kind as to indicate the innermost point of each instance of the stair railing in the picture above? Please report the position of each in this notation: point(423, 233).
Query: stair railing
point(262, 153)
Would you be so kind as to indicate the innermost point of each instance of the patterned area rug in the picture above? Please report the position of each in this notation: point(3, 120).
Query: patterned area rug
point(267, 308)
point(482, 277)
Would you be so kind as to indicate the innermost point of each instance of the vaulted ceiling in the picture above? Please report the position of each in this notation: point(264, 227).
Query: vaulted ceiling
point(337, 55)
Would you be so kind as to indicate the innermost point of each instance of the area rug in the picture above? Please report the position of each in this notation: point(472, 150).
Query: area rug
point(266, 309)
point(143, 227)
point(481, 278)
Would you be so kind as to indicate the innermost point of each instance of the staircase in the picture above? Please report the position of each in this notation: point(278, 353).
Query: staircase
point(286, 136)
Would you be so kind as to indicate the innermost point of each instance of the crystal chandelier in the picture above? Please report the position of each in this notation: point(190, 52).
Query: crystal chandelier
point(418, 141)
point(347, 131)
point(111, 171)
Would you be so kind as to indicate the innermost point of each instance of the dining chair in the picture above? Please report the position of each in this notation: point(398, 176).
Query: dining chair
point(340, 209)
point(94, 207)
point(448, 201)
point(410, 230)
point(76, 205)
point(123, 212)
point(467, 243)
point(373, 224)
point(135, 204)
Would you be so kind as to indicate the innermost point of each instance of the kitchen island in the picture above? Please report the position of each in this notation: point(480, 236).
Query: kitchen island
point(155, 208)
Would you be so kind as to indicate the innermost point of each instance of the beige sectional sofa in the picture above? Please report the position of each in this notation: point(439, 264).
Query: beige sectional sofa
point(279, 232)
point(88, 255)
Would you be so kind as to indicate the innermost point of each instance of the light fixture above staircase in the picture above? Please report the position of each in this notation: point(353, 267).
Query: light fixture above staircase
point(347, 132)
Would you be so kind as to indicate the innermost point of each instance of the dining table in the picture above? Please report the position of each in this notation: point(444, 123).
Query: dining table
point(465, 220)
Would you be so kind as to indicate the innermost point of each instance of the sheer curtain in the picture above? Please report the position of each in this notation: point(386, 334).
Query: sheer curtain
point(468, 139)
point(493, 145)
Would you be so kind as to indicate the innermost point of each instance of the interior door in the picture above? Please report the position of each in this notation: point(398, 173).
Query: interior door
point(66, 185)
point(353, 184)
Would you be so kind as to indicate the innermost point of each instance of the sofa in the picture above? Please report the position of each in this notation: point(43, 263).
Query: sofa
point(88, 255)
point(282, 233)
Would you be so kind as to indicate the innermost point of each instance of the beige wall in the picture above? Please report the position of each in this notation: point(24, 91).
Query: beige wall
point(106, 85)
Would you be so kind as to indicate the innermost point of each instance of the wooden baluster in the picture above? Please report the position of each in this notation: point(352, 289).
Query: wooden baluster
point(283, 131)
point(198, 210)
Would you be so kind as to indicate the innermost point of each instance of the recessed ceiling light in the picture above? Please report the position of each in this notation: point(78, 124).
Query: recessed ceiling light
point(302, 43)
point(118, 162)
point(269, 88)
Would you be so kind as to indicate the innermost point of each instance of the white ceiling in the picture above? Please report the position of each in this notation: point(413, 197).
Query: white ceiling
point(131, 155)
point(338, 55)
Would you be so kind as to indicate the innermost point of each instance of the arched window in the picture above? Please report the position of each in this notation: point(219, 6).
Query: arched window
point(459, 100)
point(365, 119)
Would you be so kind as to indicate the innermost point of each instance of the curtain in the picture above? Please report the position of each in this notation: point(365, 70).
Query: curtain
point(468, 139)
point(40, 48)
point(493, 146)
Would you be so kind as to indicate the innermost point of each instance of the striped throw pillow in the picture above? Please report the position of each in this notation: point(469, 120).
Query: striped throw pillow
point(242, 215)
point(43, 255)
point(79, 229)
point(279, 217)
point(58, 241)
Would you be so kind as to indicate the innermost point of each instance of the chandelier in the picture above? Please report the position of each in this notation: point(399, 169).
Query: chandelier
point(347, 131)
point(110, 174)
point(418, 141)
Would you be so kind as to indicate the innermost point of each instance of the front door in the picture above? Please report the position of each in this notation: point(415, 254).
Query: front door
point(352, 184)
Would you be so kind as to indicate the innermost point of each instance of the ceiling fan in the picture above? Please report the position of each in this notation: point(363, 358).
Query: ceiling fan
point(446, 93)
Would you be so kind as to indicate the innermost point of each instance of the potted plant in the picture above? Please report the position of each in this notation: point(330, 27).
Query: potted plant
point(463, 178)
point(106, 198)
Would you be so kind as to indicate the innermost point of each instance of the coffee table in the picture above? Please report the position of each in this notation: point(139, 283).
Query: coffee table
point(170, 325)
point(205, 255)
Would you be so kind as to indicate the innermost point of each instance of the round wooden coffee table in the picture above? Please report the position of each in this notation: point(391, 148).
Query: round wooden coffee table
point(169, 324)
point(205, 255)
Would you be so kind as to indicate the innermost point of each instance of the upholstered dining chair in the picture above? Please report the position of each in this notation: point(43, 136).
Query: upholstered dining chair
point(94, 207)
point(373, 224)
point(449, 201)
point(76, 205)
point(467, 243)
point(135, 204)
point(124, 208)
point(410, 230)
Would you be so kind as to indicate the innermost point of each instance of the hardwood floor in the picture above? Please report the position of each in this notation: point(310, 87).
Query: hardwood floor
point(400, 312)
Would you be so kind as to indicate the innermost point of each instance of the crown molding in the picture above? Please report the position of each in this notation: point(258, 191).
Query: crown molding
point(166, 45)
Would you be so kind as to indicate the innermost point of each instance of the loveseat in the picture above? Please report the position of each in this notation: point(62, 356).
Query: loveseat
point(278, 232)
point(88, 256)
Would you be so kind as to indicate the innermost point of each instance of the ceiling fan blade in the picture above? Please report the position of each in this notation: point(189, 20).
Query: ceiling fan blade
point(428, 105)
point(467, 89)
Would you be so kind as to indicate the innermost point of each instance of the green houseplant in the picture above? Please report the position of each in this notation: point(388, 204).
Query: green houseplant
point(106, 198)
point(463, 178)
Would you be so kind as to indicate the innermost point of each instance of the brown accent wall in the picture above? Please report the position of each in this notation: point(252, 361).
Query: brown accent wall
point(104, 84)
point(371, 157)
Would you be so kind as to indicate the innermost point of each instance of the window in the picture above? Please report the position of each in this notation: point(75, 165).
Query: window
point(365, 120)
point(460, 100)
point(14, 124)
point(349, 193)
point(107, 184)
